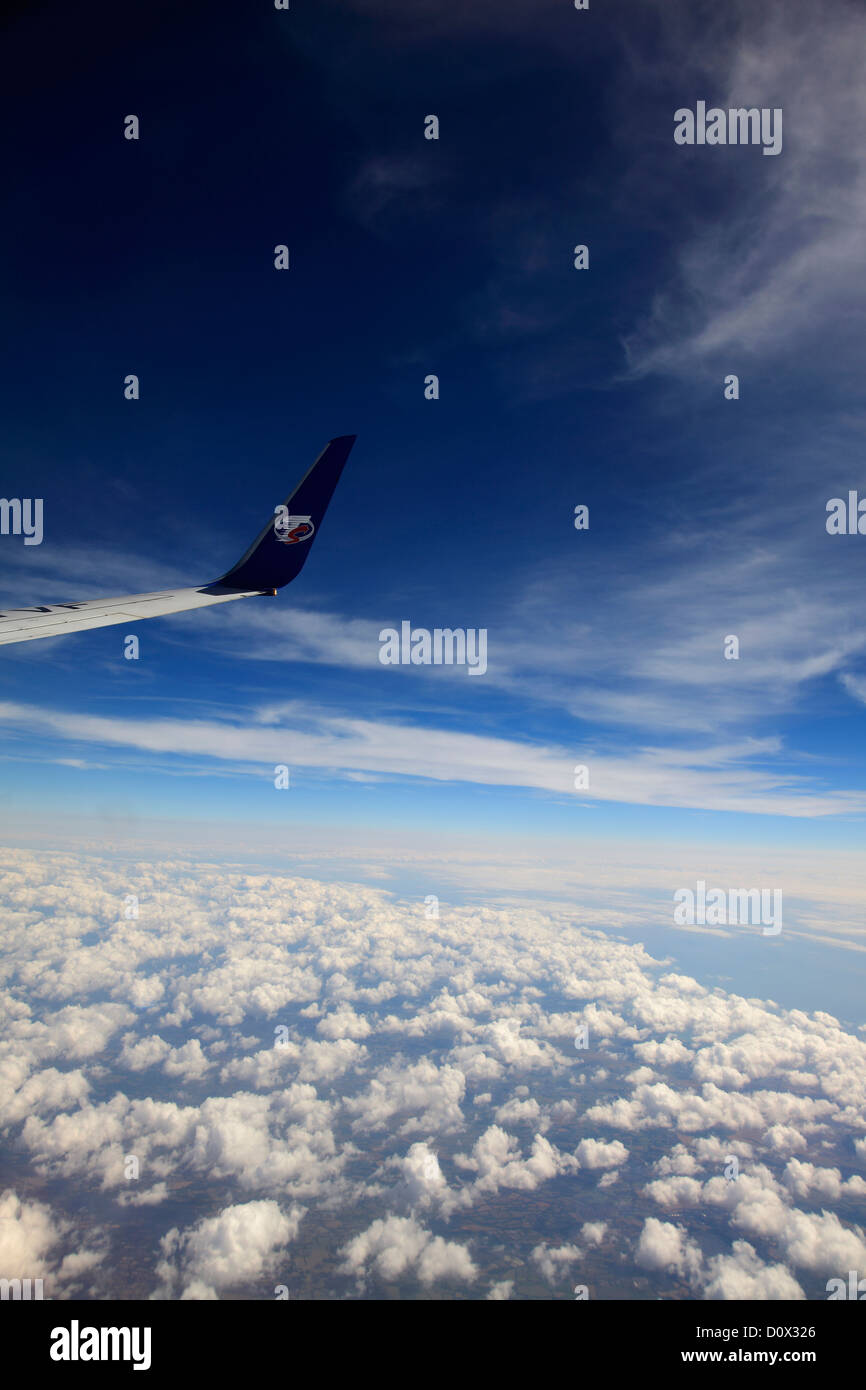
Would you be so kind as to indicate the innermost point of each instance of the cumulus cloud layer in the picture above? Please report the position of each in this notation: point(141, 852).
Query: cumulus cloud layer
point(275, 1082)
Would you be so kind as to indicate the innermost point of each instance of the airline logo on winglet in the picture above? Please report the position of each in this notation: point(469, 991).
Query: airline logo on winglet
point(262, 569)
point(289, 530)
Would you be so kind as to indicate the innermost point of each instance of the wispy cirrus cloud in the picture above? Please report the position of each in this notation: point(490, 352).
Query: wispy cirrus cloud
point(726, 777)
point(784, 259)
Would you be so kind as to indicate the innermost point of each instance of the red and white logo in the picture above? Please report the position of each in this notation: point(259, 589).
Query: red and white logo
point(291, 530)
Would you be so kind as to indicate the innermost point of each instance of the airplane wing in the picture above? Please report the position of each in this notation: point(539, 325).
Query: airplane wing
point(273, 560)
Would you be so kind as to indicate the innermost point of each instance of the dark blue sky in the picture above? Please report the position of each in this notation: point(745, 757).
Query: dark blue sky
point(558, 387)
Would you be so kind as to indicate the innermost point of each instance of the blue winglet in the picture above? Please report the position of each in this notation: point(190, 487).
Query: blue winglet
point(277, 555)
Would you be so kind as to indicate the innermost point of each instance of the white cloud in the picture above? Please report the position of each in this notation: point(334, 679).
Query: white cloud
point(663, 1246)
point(743, 1276)
point(497, 1159)
point(32, 1238)
point(429, 1096)
point(241, 1245)
point(554, 1261)
point(593, 1232)
point(713, 778)
point(595, 1153)
point(188, 1062)
point(422, 1182)
point(398, 1245)
point(675, 1192)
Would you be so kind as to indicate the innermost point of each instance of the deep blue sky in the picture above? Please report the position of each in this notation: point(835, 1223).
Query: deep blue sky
point(558, 387)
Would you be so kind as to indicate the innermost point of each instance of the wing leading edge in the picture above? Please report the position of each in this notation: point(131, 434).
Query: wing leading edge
point(274, 559)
